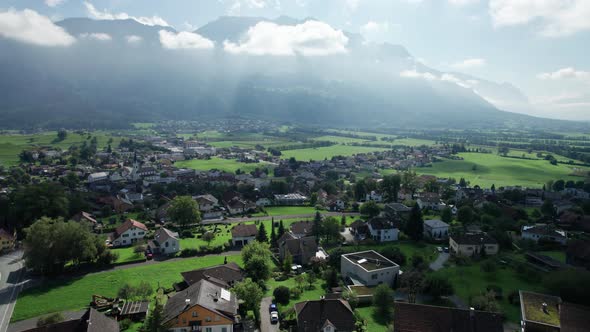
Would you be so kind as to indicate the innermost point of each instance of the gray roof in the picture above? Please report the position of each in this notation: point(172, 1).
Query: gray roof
point(98, 322)
point(164, 234)
point(205, 294)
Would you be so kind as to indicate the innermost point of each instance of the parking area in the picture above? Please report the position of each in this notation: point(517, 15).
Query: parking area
point(265, 325)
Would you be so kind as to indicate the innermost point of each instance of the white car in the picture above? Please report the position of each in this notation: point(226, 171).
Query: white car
point(274, 317)
point(439, 249)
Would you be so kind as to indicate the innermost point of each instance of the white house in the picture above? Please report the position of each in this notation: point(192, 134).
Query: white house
point(383, 230)
point(95, 177)
point(127, 234)
point(543, 232)
point(432, 203)
point(165, 242)
point(436, 229)
point(242, 234)
point(263, 202)
point(368, 268)
point(290, 199)
point(206, 202)
point(374, 196)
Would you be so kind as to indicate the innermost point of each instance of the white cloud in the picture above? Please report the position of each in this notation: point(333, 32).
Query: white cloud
point(28, 26)
point(235, 6)
point(311, 38)
point(54, 3)
point(374, 27)
point(415, 74)
point(133, 39)
point(184, 40)
point(105, 15)
point(96, 36)
point(469, 63)
point(565, 73)
point(353, 4)
point(556, 17)
point(463, 2)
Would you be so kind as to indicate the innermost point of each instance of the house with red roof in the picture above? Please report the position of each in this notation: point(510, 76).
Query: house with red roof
point(127, 234)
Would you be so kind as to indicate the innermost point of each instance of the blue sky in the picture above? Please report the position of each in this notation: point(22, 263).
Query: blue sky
point(540, 46)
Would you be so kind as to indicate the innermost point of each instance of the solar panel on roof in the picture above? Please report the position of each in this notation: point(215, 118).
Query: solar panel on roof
point(225, 294)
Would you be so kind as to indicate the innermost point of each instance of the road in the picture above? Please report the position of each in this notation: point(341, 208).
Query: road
point(440, 261)
point(11, 274)
point(293, 216)
point(265, 325)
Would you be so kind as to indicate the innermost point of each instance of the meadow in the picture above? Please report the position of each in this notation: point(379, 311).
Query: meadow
point(487, 169)
point(12, 145)
point(327, 152)
point(75, 293)
point(227, 165)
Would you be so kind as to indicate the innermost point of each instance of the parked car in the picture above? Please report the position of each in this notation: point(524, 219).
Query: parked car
point(439, 249)
point(272, 308)
point(446, 249)
point(274, 317)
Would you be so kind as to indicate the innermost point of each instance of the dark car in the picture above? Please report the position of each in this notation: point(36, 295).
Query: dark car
point(272, 308)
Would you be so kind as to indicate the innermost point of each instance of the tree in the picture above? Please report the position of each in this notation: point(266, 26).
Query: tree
point(155, 321)
point(486, 302)
point(412, 284)
point(51, 243)
point(394, 254)
point(313, 199)
point(34, 201)
point(208, 237)
point(331, 277)
point(287, 262)
point(465, 215)
point(62, 134)
point(437, 286)
point(281, 230)
point(390, 186)
point(558, 185)
point(262, 236)
point(310, 277)
point(382, 301)
point(571, 285)
point(351, 297)
point(370, 209)
point(447, 215)
point(331, 229)
point(273, 234)
point(415, 225)
point(300, 281)
point(282, 295)
point(548, 209)
point(256, 258)
point(250, 293)
point(184, 211)
point(317, 225)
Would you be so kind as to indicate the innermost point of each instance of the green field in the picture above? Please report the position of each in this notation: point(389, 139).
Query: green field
point(75, 294)
point(327, 152)
point(341, 139)
point(227, 165)
point(493, 169)
point(289, 210)
point(12, 145)
point(412, 142)
point(127, 255)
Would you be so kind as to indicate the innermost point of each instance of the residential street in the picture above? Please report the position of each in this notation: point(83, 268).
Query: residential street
point(11, 273)
point(265, 325)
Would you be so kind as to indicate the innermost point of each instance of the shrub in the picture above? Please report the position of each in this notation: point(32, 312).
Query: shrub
point(514, 298)
point(394, 254)
point(489, 266)
point(125, 324)
point(50, 319)
point(186, 234)
point(189, 252)
point(282, 294)
point(295, 293)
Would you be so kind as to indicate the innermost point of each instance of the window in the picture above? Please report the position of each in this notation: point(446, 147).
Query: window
point(208, 319)
point(167, 244)
point(208, 329)
point(374, 276)
point(183, 320)
point(195, 314)
point(125, 235)
point(224, 329)
point(217, 318)
point(140, 233)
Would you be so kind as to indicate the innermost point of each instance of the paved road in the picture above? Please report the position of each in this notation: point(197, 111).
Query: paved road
point(293, 216)
point(440, 261)
point(11, 274)
point(265, 325)
point(28, 324)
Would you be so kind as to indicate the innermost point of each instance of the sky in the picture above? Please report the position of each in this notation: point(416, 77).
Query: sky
point(539, 46)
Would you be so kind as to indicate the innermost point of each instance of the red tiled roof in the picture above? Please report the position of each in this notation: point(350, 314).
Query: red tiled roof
point(128, 225)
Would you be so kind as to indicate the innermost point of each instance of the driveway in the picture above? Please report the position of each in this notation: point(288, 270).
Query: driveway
point(265, 325)
point(440, 261)
point(11, 274)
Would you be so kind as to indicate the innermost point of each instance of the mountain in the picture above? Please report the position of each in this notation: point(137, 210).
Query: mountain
point(110, 83)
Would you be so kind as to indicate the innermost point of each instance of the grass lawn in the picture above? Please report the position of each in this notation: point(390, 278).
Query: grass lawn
point(127, 255)
point(342, 140)
point(327, 152)
point(470, 281)
point(290, 210)
point(487, 169)
point(12, 145)
point(227, 165)
point(75, 294)
point(307, 295)
point(373, 324)
point(222, 236)
point(557, 255)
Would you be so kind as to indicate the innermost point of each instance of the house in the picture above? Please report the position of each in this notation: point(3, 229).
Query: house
point(543, 232)
point(325, 315)
point(359, 229)
point(263, 202)
point(203, 306)
point(382, 229)
point(301, 249)
point(165, 242)
point(546, 313)
point(225, 275)
point(242, 234)
point(336, 204)
point(436, 229)
point(410, 317)
point(85, 216)
point(7, 240)
point(578, 254)
point(206, 202)
point(374, 196)
point(239, 206)
point(127, 234)
point(99, 176)
point(290, 199)
point(397, 210)
point(301, 228)
point(431, 202)
point(90, 321)
point(472, 244)
point(368, 268)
